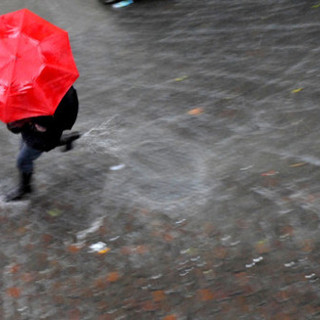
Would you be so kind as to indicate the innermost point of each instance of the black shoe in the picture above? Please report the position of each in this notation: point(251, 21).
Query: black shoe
point(67, 140)
point(23, 189)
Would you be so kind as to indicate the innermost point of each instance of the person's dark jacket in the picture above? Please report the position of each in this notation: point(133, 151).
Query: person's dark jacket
point(44, 133)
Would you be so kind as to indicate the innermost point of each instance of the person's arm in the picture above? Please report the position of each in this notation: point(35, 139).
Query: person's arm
point(16, 126)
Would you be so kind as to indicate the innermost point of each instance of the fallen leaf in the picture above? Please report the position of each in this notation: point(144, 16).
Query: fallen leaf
point(23, 230)
point(141, 249)
point(168, 237)
point(206, 294)
point(148, 306)
point(126, 250)
point(299, 164)
point(262, 246)
point(101, 283)
point(54, 212)
point(271, 182)
point(47, 238)
point(74, 248)
point(57, 299)
point(103, 251)
point(209, 229)
point(74, 314)
point(144, 211)
point(308, 245)
point(196, 111)
point(311, 198)
point(14, 292)
point(228, 113)
point(113, 276)
point(220, 252)
point(27, 277)
point(282, 295)
point(181, 78)
point(316, 6)
point(269, 173)
point(170, 317)
point(190, 251)
point(14, 268)
point(158, 295)
point(287, 230)
point(282, 316)
point(297, 90)
point(243, 304)
point(242, 278)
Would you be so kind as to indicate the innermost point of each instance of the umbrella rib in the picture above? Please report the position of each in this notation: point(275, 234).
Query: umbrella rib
point(60, 68)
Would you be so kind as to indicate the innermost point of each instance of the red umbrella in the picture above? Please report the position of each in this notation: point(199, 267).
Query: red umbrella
point(36, 66)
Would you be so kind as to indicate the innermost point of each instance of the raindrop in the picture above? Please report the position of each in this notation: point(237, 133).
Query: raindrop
point(246, 168)
point(112, 311)
point(188, 270)
point(118, 167)
point(182, 274)
point(195, 259)
point(226, 238)
point(290, 264)
point(181, 221)
point(258, 259)
point(115, 238)
point(250, 265)
point(201, 264)
point(182, 263)
point(146, 287)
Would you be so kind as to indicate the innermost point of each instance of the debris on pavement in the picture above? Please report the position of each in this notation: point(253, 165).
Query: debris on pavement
point(99, 247)
point(118, 167)
point(122, 4)
point(196, 111)
point(297, 90)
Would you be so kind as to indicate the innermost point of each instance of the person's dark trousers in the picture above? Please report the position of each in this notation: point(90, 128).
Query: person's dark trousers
point(26, 157)
point(25, 166)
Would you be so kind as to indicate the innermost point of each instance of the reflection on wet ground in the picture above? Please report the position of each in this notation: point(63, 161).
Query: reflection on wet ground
point(193, 192)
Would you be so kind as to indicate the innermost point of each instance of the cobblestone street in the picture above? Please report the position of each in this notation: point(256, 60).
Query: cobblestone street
point(193, 193)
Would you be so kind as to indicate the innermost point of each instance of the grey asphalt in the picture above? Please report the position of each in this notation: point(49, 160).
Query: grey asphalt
point(193, 193)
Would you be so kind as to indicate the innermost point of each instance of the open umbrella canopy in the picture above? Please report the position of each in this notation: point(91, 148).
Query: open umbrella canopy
point(36, 66)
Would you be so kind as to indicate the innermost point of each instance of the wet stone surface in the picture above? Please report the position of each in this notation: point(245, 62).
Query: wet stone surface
point(194, 190)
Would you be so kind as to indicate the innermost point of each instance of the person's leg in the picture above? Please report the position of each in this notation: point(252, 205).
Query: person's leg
point(25, 165)
point(26, 157)
point(67, 140)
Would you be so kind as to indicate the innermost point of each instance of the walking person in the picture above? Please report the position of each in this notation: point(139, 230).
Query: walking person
point(42, 134)
point(37, 98)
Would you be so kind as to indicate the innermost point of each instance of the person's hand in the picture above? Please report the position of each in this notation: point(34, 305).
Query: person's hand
point(40, 128)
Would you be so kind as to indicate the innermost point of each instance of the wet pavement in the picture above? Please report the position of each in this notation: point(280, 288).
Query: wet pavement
point(194, 191)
